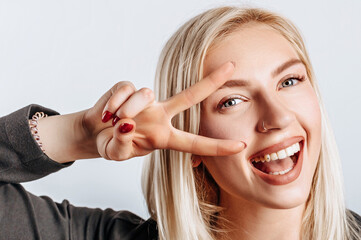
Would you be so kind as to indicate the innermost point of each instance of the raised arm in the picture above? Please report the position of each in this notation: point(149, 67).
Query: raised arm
point(84, 135)
point(26, 216)
point(148, 125)
point(20, 157)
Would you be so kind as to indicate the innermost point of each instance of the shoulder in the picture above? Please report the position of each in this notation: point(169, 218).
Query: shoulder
point(352, 215)
point(354, 223)
point(128, 225)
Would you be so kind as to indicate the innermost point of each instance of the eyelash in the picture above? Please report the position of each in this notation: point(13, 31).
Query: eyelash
point(222, 103)
point(298, 78)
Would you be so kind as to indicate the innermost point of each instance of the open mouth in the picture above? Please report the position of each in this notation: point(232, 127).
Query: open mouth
point(281, 167)
point(278, 164)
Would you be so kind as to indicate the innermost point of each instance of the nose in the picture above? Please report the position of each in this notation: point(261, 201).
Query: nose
point(274, 114)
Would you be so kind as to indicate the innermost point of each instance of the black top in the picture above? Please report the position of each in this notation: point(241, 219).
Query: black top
point(25, 216)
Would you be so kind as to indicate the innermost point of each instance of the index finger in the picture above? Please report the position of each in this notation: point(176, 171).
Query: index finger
point(199, 91)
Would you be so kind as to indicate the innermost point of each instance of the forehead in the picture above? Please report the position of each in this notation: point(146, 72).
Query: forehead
point(256, 49)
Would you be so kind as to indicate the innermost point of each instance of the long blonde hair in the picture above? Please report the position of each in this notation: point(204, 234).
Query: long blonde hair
point(183, 200)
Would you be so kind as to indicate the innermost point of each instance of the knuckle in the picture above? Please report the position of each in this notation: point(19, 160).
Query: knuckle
point(110, 155)
point(121, 156)
point(158, 141)
point(126, 89)
point(104, 155)
point(125, 83)
point(118, 154)
point(154, 142)
point(147, 93)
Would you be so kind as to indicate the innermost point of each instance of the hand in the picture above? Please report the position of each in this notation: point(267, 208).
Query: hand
point(146, 124)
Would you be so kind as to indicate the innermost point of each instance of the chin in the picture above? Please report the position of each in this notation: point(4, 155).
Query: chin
point(292, 194)
point(286, 201)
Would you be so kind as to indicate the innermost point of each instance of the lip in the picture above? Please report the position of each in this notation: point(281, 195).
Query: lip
point(275, 148)
point(285, 178)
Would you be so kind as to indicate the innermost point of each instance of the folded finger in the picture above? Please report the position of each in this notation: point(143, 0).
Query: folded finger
point(136, 103)
point(204, 146)
point(120, 95)
point(199, 91)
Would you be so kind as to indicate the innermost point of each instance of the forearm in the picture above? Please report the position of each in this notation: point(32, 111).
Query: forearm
point(21, 159)
point(65, 139)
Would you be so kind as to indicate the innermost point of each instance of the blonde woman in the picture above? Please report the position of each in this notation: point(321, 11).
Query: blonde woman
point(245, 148)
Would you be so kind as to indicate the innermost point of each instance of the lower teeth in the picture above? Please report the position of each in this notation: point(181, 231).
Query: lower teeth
point(281, 172)
point(286, 170)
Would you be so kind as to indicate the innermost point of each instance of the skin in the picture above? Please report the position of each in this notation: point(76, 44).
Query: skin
point(257, 209)
point(83, 135)
point(260, 210)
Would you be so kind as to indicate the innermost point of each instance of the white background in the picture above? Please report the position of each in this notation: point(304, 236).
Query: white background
point(65, 54)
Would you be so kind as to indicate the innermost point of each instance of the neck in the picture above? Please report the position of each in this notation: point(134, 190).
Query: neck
point(251, 221)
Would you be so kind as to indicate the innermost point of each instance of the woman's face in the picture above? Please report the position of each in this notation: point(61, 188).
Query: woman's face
point(269, 84)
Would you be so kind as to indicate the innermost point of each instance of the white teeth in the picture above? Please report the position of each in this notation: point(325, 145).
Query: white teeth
point(281, 154)
point(274, 156)
point(290, 151)
point(281, 172)
point(287, 152)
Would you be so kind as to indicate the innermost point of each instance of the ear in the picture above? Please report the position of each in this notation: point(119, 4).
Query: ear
point(196, 160)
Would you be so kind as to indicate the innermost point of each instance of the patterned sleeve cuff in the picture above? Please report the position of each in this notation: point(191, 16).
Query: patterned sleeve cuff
point(23, 142)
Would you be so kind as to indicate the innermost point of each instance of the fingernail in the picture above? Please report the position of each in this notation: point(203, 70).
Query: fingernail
point(115, 120)
point(245, 145)
point(125, 128)
point(106, 116)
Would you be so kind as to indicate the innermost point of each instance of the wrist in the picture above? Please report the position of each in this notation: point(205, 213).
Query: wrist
point(65, 139)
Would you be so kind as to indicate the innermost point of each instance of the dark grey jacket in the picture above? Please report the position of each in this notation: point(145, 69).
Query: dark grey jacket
point(25, 216)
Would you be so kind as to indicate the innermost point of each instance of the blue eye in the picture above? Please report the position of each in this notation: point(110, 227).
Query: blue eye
point(290, 81)
point(230, 102)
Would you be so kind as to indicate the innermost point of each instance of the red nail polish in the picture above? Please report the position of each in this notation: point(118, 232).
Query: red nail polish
point(115, 120)
point(106, 116)
point(125, 128)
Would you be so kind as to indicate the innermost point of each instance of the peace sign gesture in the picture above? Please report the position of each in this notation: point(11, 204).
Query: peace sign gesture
point(142, 125)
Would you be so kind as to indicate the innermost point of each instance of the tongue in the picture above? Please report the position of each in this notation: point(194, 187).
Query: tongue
point(274, 166)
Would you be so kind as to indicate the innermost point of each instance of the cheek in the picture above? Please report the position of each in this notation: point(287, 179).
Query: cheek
point(227, 126)
point(228, 171)
point(313, 118)
point(304, 104)
point(309, 115)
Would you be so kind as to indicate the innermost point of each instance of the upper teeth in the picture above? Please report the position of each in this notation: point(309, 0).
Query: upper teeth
point(281, 154)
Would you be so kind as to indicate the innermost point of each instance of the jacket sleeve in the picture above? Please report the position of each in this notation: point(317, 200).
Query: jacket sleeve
point(21, 159)
point(26, 216)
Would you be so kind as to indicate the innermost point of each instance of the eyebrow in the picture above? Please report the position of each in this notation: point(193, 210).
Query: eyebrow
point(286, 65)
point(277, 71)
